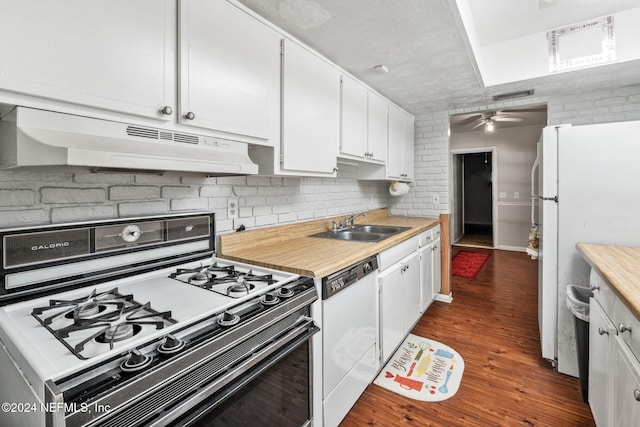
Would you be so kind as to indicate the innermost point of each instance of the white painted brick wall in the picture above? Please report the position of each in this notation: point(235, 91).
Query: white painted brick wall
point(74, 194)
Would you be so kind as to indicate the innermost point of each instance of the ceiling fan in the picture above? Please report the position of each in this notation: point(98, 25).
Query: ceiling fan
point(489, 118)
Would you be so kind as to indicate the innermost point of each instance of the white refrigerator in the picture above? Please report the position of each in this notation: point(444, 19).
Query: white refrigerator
point(588, 191)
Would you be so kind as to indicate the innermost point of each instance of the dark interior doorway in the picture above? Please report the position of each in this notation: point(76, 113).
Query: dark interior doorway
point(477, 199)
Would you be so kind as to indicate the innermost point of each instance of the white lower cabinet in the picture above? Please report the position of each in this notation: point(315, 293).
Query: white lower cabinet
point(614, 369)
point(601, 337)
point(625, 403)
point(399, 302)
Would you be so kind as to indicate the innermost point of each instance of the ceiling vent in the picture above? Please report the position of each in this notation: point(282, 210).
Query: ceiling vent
point(511, 95)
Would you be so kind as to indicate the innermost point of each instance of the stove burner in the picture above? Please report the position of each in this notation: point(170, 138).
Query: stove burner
point(285, 292)
point(106, 317)
point(135, 362)
point(241, 287)
point(118, 332)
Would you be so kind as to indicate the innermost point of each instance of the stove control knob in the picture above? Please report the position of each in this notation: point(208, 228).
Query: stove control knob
point(269, 299)
point(171, 345)
point(228, 319)
point(135, 362)
point(368, 268)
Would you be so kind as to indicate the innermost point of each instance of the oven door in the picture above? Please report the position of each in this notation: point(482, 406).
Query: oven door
point(270, 387)
point(276, 393)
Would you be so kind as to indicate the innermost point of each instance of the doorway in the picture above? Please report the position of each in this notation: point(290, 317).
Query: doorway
point(473, 206)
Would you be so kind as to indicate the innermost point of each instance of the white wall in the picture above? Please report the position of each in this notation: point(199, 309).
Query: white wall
point(515, 154)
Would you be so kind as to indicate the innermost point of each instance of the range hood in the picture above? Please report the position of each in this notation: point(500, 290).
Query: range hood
point(31, 137)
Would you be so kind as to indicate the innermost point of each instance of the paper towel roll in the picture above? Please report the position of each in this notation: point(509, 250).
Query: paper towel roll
point(398, 189)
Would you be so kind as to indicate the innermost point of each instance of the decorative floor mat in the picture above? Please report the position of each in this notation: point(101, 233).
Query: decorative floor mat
point(468, 264)
point(423, 369)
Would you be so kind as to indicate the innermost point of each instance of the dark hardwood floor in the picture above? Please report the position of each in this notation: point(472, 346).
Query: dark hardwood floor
point(493, 324)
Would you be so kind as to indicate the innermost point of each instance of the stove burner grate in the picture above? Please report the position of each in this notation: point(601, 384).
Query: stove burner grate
point(111, 316)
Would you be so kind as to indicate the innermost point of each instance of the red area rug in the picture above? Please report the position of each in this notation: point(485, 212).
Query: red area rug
point(468, 264)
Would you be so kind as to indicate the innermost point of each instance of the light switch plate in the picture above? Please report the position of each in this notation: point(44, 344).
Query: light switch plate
point(232, 208)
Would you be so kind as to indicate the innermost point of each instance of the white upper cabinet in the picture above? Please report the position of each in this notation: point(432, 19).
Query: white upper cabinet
point(377, 127)
point(229, 70)
point(310, 112)
point(363, 124)
point(115, 55)
point(353, 126)
point(400, 151)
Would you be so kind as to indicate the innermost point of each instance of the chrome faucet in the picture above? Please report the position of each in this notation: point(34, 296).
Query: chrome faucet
point(349, 221)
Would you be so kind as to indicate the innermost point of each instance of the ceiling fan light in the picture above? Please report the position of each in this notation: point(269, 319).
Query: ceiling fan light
point(489, 125)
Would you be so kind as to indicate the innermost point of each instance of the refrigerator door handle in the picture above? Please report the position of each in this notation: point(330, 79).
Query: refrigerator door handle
point(554, 198)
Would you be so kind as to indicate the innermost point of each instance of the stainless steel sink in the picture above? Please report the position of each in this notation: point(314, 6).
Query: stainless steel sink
point(362, 233)
point(382, 229)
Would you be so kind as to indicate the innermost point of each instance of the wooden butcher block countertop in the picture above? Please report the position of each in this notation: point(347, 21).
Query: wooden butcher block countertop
point(289, 247)
point(620, 267)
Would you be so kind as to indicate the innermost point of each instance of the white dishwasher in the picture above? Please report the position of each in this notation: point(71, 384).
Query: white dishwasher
point(349, 337)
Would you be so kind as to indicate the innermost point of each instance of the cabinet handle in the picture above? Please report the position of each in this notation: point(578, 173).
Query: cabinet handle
point(623, 328)
point(190, 116)
point(636, 394)
point(595, 288)
point(601, 331)
point(166, 110)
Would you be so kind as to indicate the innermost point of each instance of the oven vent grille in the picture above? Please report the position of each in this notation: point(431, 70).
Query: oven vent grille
point(189, 139)
point(142, 132)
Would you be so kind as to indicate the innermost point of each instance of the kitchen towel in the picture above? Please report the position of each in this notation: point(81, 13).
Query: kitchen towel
point(468, 264)
point(423, 369)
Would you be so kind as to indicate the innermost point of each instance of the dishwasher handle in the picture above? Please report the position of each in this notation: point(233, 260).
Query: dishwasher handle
point(344, 278)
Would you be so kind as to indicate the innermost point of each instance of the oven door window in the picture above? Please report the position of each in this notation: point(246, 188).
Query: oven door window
point(276, 396)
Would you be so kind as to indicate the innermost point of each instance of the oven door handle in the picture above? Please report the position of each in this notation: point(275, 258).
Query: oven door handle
point(276, 350)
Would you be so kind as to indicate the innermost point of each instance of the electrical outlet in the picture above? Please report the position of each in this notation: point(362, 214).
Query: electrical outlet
point(232, 208)
point(516, 195)
point(436, 199)
point(502, 195)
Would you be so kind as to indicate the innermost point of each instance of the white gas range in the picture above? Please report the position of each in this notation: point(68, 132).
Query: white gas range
point(135, 322)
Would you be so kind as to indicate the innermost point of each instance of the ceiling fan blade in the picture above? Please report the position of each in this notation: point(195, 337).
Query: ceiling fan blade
point(478, 125)
point(468, 120)
point(507, 119)
point(526, 110)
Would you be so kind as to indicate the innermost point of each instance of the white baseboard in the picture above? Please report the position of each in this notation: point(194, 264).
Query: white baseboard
point(512, 248)
point(445, 298)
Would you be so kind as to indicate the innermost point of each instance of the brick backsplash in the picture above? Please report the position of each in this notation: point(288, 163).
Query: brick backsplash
point(37, 196)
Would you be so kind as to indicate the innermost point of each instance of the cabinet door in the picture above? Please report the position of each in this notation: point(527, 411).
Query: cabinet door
point(377, 127)
point(410, 291)
point(408, 153)
point(391, 310)
point(437, 276)
point(395, 154)
point(116, 55)
point(310, 112)
point(426, 277)
point(601, 335)
point(353, 124)
point(229, 70)
point(626, 388)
